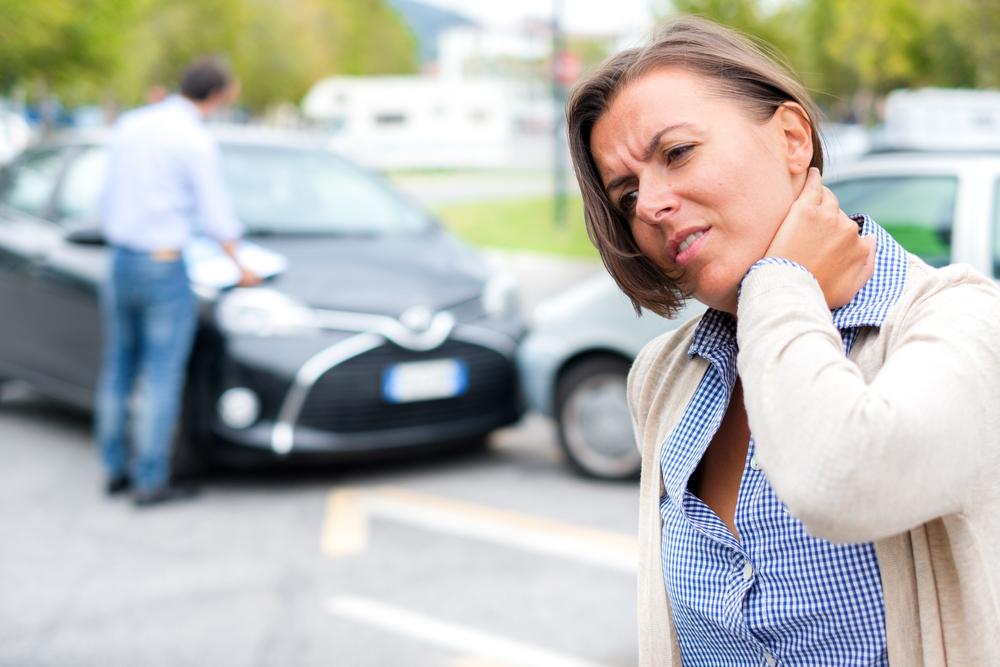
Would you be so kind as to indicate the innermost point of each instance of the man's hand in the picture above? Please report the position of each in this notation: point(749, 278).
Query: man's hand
point(248, 278)
point(823, 239)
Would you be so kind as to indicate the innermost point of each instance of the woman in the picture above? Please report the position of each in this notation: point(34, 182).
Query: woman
point(820, 452)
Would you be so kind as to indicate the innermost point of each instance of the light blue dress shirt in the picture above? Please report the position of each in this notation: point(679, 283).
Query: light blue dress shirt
point(165, 180)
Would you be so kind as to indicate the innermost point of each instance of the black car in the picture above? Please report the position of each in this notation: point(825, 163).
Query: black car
point(384, 332)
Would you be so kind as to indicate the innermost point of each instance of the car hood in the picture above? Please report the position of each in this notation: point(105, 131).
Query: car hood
point(383, 274)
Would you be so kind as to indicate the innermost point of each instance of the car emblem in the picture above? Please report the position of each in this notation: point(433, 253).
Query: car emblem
point(417, 319)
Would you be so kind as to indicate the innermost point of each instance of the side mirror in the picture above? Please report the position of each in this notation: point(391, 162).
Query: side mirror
point(85, 236)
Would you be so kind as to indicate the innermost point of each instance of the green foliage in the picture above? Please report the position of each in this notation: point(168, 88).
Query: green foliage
point(592, 51)
point(983, 16)
point(852, 52)
point(747, 16)
point(58, 42)
point(520, 224)
point(115, 49)
point(849, 52)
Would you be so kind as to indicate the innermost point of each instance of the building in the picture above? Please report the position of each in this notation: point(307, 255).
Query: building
point(396, 122)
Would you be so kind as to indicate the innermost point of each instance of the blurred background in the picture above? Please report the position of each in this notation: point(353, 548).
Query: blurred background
point(408, 159)
point(412, 88)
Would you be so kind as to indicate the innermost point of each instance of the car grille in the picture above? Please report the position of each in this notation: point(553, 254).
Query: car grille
point(348, 398)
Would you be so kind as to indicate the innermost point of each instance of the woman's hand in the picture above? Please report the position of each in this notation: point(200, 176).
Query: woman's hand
point(820, 237)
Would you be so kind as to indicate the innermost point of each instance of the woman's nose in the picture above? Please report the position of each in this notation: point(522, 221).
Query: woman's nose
point(655, 201)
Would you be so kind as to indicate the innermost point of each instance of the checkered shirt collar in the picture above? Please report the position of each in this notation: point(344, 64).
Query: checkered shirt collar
point(716, 333)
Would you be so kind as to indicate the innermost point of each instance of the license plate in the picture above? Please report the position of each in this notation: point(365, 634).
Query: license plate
point(425, 380)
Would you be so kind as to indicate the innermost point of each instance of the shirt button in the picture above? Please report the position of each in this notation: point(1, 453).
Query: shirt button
point(754, 463)
point(747, 571)
point(771, 660)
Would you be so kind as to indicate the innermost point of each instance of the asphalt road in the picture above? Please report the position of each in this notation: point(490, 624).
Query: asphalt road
point(485, 559)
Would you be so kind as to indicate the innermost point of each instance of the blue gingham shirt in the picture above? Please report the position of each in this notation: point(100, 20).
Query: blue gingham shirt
point(776, 596)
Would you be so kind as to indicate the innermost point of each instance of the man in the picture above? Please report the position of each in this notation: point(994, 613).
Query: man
point(164, 185)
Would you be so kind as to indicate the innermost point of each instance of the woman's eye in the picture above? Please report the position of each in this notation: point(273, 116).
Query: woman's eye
point(627, 201)
point(678, 153)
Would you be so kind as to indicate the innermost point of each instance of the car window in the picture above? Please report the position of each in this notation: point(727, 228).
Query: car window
point(79, 198)
point(919, 211)
point(284, 190)
point(29, 185)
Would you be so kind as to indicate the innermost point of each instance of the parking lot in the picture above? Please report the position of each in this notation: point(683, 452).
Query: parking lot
point(501, 557)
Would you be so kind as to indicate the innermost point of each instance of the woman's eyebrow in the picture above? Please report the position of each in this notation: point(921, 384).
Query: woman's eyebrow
point(651, 147)
point(616, 183)
point(654, 141)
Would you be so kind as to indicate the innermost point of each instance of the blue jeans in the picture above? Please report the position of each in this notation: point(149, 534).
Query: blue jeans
point(150, 314)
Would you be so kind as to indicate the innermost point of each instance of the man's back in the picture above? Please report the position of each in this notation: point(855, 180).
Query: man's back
point(163, 179)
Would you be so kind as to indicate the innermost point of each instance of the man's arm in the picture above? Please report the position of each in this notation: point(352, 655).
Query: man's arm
point(855, 459)
point(247, 277)
point(215, 214)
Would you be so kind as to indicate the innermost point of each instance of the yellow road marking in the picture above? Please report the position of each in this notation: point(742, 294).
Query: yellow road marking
point(469, 661)
point(345, 527)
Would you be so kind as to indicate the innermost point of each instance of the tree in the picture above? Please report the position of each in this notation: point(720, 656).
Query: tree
point(279, 48)
point(747, 16)
point(851, 53)
point(92, 50)
point(61, 44)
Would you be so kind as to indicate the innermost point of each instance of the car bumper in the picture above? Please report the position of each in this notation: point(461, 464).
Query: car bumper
point(327, 398)
point(538, 361)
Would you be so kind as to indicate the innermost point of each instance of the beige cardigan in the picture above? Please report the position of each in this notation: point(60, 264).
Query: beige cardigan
point(899, 445)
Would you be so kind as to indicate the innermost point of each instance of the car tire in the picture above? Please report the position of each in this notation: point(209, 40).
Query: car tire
point(592, 418)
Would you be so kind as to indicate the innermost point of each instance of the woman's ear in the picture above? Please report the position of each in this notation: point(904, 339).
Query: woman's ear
point(793, 122)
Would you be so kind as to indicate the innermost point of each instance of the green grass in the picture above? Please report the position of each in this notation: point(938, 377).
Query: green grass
point(520, 224)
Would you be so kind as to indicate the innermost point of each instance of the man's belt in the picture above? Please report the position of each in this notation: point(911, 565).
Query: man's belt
point(168, 255)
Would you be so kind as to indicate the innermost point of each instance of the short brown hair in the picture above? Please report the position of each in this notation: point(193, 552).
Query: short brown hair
point(753, 75)
point(205, 77)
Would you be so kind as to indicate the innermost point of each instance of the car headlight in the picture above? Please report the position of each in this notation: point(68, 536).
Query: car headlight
point(500, 295)
point(264, 312)
point(238, 407)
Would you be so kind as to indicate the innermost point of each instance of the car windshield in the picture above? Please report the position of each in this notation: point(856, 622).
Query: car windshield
point(291, 191)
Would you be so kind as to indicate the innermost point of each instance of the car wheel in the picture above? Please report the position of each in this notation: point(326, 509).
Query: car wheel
point(595, 429)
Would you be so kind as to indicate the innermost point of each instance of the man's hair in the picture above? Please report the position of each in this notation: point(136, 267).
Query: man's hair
point(736, 67)
point(205, 77)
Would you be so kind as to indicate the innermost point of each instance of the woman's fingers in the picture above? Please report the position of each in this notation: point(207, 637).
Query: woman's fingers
point(829, 202)
point(812, 191)
point(823, 239)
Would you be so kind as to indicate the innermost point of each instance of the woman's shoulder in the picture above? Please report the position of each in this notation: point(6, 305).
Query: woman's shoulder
point(661, 354)
point(926, 281)
point(953, 289)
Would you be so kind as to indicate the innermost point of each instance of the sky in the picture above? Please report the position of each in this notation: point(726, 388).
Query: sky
point(578, 16)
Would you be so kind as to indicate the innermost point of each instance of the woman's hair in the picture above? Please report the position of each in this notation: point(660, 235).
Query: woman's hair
point(739, 69)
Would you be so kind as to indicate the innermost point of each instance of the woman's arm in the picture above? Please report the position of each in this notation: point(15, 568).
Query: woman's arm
point(858, 460)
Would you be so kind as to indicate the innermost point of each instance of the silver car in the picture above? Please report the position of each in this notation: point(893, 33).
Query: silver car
point(942, 207)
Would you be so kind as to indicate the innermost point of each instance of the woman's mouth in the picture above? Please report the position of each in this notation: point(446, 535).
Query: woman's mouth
point(689, 246)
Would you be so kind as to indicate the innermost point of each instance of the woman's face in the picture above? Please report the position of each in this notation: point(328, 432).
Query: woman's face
point(703, 184)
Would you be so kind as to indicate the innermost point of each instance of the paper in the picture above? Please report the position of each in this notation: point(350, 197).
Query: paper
point(209, 265)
